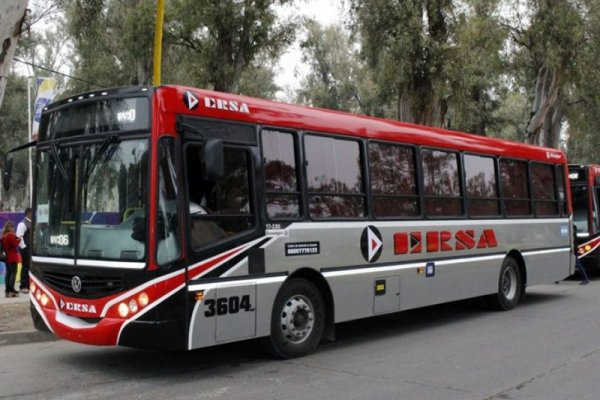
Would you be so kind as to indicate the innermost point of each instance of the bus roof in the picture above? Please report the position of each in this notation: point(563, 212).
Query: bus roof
point(210, 104)
point(277, 114)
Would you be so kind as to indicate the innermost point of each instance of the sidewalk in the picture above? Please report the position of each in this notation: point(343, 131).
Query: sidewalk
point(16, 326)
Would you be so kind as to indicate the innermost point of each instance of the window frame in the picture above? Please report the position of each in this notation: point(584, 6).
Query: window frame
point(534, 200)
point(416, 177)
point(364, 194)
point(298, 171)
point(527, 186)
point(461, 187)
point(498, 198)
point(215, 246)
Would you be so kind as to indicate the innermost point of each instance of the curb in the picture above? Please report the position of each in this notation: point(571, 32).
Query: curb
point(24, 337)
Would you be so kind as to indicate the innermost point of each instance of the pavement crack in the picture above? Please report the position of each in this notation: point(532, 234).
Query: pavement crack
point(341, 371)
point(504, 394)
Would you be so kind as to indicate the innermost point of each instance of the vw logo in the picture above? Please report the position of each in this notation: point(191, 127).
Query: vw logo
point(76, 284)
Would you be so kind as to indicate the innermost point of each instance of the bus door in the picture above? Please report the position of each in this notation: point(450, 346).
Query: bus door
point(223, 234)
point(594, 211)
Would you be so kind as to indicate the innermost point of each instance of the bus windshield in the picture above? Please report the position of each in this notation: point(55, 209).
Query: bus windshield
point(580, 208)
point(91, 200)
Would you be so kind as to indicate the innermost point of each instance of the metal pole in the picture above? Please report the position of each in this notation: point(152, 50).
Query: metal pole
point(158, 30)
point(30, 175)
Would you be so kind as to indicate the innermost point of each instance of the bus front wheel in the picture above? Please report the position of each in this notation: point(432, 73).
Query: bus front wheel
point(510, 287)
point(297, 321)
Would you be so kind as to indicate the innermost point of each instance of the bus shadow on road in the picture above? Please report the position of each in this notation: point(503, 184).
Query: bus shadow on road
point(426, 318)
point(239, 358)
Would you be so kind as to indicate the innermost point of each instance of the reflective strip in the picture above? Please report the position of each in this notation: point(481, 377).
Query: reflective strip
point(111, 264)
point(549, 251)
point(398, 267)
point(232, 283)
point(89, 263)
point(53, 260)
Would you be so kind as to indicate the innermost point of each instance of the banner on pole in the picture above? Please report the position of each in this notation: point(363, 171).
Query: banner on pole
point(44, 96)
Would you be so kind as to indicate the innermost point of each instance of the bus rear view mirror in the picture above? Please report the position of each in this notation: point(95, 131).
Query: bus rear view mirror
point(214, 159)
point(8, 163)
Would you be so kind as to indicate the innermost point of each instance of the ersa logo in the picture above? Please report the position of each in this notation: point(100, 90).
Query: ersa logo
point(192, 101)
point(77, 307)
point(371, 243)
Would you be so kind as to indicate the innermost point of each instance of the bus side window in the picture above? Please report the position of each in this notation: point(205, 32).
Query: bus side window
point(281, 182)
point(218, 209)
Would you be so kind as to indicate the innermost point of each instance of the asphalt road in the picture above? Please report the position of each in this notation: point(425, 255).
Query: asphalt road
point(548, 348)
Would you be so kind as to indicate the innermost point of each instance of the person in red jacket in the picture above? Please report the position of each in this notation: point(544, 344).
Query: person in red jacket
point(10, 243)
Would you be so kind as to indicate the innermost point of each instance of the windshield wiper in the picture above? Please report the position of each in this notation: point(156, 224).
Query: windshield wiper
point(107, 142)
point(61, 168)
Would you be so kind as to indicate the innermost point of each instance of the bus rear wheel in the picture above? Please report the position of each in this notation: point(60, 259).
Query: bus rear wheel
point(297, 321)
point(510, 287)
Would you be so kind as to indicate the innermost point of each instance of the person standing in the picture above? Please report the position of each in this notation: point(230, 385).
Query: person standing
point(578, 264)
point(10, 243)
point(24, 234)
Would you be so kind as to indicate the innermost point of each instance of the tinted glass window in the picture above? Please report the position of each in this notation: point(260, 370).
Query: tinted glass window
point(114, 115)
point(393, 180)
point(283, 197)
point(513, 175)
point(219, 208)
point(482, 190)
point(562, 190)
point(441, 183)
point(334, 177)
point(544, 190)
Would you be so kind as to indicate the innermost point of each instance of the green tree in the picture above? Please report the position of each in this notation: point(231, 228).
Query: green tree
point(223, 38)
point(338, 79)
point(112, 41)
point(406, 43)
point(581, 109)
point(475, 68)
point(546, 64)
point(14, 131)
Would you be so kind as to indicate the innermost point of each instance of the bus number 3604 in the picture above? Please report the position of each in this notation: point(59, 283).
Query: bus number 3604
point(227, 305)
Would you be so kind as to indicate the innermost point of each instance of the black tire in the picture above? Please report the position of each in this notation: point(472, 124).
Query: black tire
point(510, 287)
point(297, 320)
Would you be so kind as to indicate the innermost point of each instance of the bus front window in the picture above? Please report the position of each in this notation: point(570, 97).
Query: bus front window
point(55, 202)
point(90, 196)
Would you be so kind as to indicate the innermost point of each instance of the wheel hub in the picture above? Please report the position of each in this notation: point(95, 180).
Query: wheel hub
point(297, 319)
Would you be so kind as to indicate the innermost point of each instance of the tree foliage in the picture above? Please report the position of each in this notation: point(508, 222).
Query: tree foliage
point(222, 39)
point(406, 43)
point(520, 69)
point(338, 79)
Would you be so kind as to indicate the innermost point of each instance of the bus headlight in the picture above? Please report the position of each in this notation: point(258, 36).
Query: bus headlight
point(44, 299)
point(32, 287)
point(587, 247)
point(123, 310)
point(143, 299)
point(133, 306)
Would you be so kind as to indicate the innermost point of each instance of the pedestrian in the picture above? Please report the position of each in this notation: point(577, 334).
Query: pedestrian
point(24, 234)
point(584, 277)
point(10, 244)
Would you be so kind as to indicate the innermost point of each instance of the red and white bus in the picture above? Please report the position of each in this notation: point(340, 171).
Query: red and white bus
point(179, 218)
point(585, 191)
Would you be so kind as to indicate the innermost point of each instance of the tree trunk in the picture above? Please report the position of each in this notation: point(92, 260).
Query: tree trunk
point(545, 100)
point(12, 15)
point(553, 126)
point(406, 109)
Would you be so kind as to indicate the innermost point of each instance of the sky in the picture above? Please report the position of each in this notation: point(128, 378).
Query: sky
point(291, 69)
